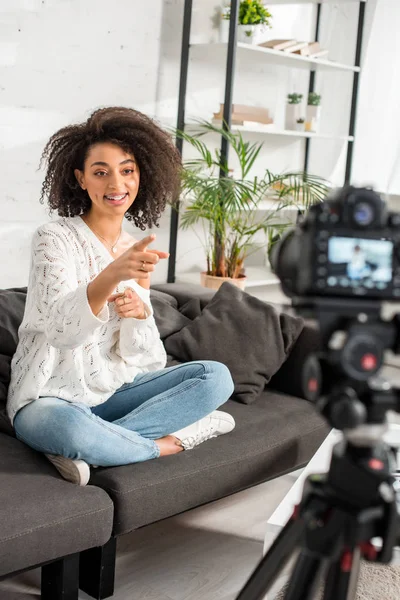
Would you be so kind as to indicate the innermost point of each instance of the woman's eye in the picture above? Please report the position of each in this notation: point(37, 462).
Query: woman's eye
point(100, 173)
point(128, 171)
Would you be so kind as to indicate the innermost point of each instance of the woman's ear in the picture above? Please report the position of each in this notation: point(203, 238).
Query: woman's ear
point(80, 178)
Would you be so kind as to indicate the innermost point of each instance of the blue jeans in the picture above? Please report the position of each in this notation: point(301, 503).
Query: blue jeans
point(122, 429)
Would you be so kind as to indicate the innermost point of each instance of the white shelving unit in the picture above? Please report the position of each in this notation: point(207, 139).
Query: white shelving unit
point(225, 53)
point(261, 129)
point(279, 57)
point(271, 130)
point(271, 2)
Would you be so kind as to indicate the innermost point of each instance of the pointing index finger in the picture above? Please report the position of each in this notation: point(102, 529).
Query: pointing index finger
point(142, 244)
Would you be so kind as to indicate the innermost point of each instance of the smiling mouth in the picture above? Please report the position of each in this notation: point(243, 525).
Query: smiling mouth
point(116, 198)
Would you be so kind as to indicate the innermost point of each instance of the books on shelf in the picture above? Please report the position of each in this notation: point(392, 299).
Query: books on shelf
point(262, 126)
point(296, 47)
point(278, 44)
point(310, 49)
point(319, 54)
point(243, 114)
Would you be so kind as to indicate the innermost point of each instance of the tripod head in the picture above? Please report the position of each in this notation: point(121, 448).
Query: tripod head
point(343, 376)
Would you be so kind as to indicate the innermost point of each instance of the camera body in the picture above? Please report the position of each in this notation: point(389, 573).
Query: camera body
point(348, 245)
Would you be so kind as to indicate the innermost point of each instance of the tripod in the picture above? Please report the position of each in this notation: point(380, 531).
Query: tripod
point(340, 512)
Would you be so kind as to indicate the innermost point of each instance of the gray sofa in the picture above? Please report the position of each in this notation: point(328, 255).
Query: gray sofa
point(71, 531)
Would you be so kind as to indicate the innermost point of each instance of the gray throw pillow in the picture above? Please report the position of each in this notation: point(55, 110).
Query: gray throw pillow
point(252, 338)
point(191, 309)
point(12, 306)
point(166, 314)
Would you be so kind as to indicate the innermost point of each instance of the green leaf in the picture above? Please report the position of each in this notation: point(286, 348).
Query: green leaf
point(229, 209)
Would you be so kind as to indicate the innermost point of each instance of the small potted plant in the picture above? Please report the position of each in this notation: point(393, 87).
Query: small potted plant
point(254, 21)
point(293, 109)
point(224, 23)
point(300, 124)
point(313, 112)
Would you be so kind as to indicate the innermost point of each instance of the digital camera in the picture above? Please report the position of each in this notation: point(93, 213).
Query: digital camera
point(348, 245)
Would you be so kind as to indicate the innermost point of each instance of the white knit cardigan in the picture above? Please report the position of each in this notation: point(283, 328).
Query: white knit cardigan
point(64, 350)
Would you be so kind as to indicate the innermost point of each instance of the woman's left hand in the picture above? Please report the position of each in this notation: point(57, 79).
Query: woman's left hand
point(129, 305)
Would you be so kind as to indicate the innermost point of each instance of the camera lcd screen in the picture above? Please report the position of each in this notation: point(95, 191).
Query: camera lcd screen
point(354, 262)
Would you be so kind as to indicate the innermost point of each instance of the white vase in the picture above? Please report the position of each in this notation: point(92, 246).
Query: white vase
point(224, 31)
point(252, 34)
point(313, 118)
point(293, 113)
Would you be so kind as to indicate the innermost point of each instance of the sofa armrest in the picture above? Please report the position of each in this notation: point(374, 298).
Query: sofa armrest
point(289, 377)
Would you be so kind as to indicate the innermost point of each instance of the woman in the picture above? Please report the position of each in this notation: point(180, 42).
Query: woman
point(88, 380)
point(357, 267)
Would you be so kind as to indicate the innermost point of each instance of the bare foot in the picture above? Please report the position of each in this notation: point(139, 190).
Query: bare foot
point(169, 445)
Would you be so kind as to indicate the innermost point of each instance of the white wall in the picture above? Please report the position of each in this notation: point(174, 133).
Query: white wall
point(61, 59)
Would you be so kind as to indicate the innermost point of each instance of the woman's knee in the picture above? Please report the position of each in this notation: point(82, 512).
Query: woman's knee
point(48, 424)
point(222, 383)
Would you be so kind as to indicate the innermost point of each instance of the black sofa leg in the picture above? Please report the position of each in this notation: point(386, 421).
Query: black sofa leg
point(60, 579)
point(97, 570)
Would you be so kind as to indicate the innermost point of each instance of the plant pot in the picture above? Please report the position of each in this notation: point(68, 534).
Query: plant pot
point(300, 126)
point(293, 112)
point(312, 118)
point(210, 281)
point(252, 34)
point(224, 31)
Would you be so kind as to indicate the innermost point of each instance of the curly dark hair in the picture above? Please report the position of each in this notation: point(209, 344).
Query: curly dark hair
point(158, 159)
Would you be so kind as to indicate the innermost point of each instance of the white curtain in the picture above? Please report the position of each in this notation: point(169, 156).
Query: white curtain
point(377, 145)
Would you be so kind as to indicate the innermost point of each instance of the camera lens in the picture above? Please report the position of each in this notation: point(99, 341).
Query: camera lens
point(363, 214)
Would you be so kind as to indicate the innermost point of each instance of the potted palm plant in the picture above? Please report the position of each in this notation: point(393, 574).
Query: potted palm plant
point(235, 211)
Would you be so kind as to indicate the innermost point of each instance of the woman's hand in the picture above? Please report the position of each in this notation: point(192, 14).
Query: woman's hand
point(138, 262)
point(129, 305)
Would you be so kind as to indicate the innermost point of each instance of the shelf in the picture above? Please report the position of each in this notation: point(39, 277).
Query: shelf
point(279, 57)
point(270, 130)
point(256, 277)
point(272, 204)
point(315, 1)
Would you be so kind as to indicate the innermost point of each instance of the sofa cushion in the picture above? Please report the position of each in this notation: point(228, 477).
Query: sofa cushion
point(44, 517)
point(192, 308)
point(252, 338)
point(168, 318)
point(186, 291)
point(12, 306)
point(274, 435)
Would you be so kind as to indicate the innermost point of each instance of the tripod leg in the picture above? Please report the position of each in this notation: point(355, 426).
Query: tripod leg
point(273, 562)
point(341, 581)
point(305, 578)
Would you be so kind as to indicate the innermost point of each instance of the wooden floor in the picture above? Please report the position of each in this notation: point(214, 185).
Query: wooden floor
point(206, 553)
